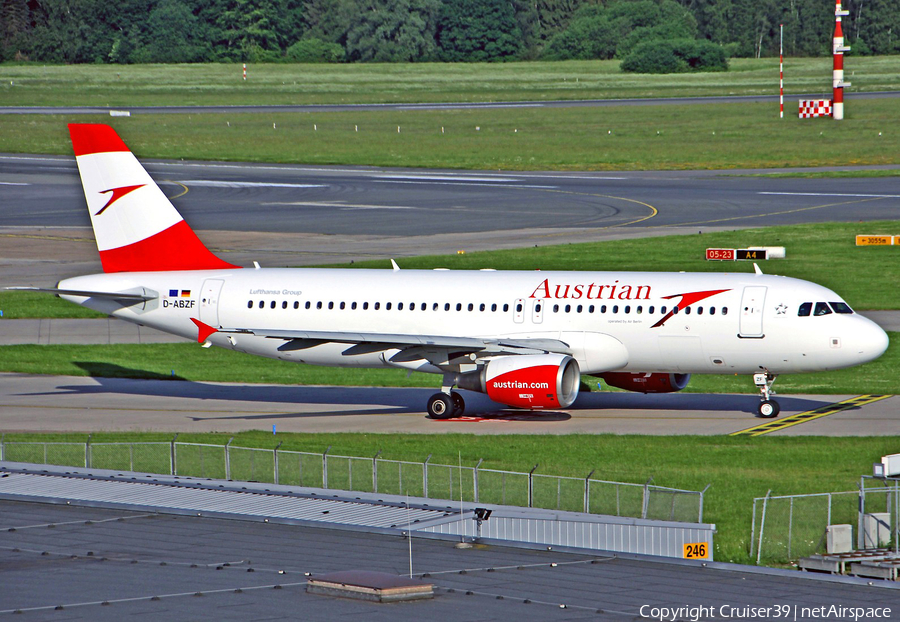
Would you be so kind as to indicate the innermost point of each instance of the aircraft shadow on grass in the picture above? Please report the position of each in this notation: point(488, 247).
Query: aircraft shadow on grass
point(115, 379)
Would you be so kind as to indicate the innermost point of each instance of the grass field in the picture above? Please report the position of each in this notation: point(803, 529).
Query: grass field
point(221, 84)
point(708, 136)
point(738, 469)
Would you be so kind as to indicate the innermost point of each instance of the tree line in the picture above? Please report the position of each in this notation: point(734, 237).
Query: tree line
point(176, 31)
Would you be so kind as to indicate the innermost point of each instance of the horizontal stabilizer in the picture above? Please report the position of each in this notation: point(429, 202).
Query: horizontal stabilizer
point(124, 296)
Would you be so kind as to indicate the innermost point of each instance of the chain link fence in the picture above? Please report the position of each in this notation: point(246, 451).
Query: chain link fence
point(786, 528)
point(376, 475)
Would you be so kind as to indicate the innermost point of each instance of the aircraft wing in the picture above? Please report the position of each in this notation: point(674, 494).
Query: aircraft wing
point(362, 343)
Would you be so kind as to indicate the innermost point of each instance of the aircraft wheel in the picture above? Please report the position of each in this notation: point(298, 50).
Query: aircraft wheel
point(769, 409)
point(440, 406)
point(459, 404)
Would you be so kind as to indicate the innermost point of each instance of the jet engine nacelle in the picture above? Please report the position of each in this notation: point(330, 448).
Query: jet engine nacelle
point(647, 383)
point(533, 381)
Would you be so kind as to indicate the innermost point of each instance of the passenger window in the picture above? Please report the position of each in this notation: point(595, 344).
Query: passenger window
point(699, 310)
point(296, 304)
point(538, 307)
point(249, 304)
point(712, 310)
point(579, 308)
point(481, 307)
point(804, 310)
point(365, 306)
point(330, 305)
point(272, 305)
point(568, 308)
point(687, 310)
point(377, 306)
point(387, 306)
point(662, 310)
point(399, 306)
point(615, 308)
point(472, 307)
point(650, 310)
point(308, 304)
point(343, 305)
point(639, 309)
point(494, 307)
point(284, 305)
point(627, 308)
point(841, 307)
point(822, 308)
point(556, 308)
point(591, 309)
point(353, 306)
point(602, 308)
point(446, 306)
point(505, 308)
point(425, 306)
point(459, 306)
point(675, 309)
point(724, 310)
point(319, 305)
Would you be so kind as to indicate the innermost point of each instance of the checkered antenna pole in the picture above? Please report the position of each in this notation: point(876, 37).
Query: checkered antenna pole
point(781, 72)
point(838, 84)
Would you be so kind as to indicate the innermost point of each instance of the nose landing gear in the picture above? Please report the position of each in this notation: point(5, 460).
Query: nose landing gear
point(768, 408)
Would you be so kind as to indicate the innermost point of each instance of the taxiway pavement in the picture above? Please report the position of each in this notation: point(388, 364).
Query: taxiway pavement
point(33, 403)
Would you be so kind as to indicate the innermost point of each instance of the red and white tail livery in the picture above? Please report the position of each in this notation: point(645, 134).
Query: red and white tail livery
point(523, 338)
point(136, 226)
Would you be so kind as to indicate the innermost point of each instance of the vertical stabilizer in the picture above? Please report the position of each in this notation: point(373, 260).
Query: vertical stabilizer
point(136, 226)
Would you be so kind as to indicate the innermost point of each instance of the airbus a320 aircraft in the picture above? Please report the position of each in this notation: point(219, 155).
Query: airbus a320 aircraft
point(523, 338)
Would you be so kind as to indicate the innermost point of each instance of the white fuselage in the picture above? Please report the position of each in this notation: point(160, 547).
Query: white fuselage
point(727, 323)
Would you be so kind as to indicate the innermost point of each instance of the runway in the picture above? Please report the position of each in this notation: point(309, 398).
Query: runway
point(77, 404)
point(574, 103)
point(284, 215)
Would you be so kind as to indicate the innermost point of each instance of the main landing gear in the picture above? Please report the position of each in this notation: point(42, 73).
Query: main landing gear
point(768, 408)
point(446, 405)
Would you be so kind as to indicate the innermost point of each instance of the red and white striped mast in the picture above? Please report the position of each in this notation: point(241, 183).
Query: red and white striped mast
point(781, 71)
point(838, 84)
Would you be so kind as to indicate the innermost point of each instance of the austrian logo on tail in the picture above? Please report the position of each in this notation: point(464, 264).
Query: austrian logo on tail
point(117, 193)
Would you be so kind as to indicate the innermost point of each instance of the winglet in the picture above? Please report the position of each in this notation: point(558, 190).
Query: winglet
point(394, 265)
point(757, 269)
point(204, 330)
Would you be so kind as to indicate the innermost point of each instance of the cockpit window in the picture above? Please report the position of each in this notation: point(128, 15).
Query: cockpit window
point(804, 309)
point(822, 308)
point(841, 307)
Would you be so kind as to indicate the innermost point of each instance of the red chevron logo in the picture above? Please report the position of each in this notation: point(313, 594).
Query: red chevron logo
point(117, 193)
point(687, 299)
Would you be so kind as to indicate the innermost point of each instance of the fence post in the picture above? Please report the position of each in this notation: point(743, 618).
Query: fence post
point(587, 492)
point(753, 529)
point(475, 478)
point(425, 476)
point(790, 527)
point(700, 517)
point(375, 471)
point(646, 500)
point(325, 467)
point(228, 460)
point(531, 486)
point(172, 464)
point(87, 452)
point(861, 510)
point(762, 527)
point(275, 460)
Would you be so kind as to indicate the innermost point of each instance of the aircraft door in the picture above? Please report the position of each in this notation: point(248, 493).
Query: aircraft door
point(519, 310)
point(209, 301)
point(752, 312)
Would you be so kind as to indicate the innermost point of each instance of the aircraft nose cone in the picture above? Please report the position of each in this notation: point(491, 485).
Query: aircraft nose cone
point(871, 341)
